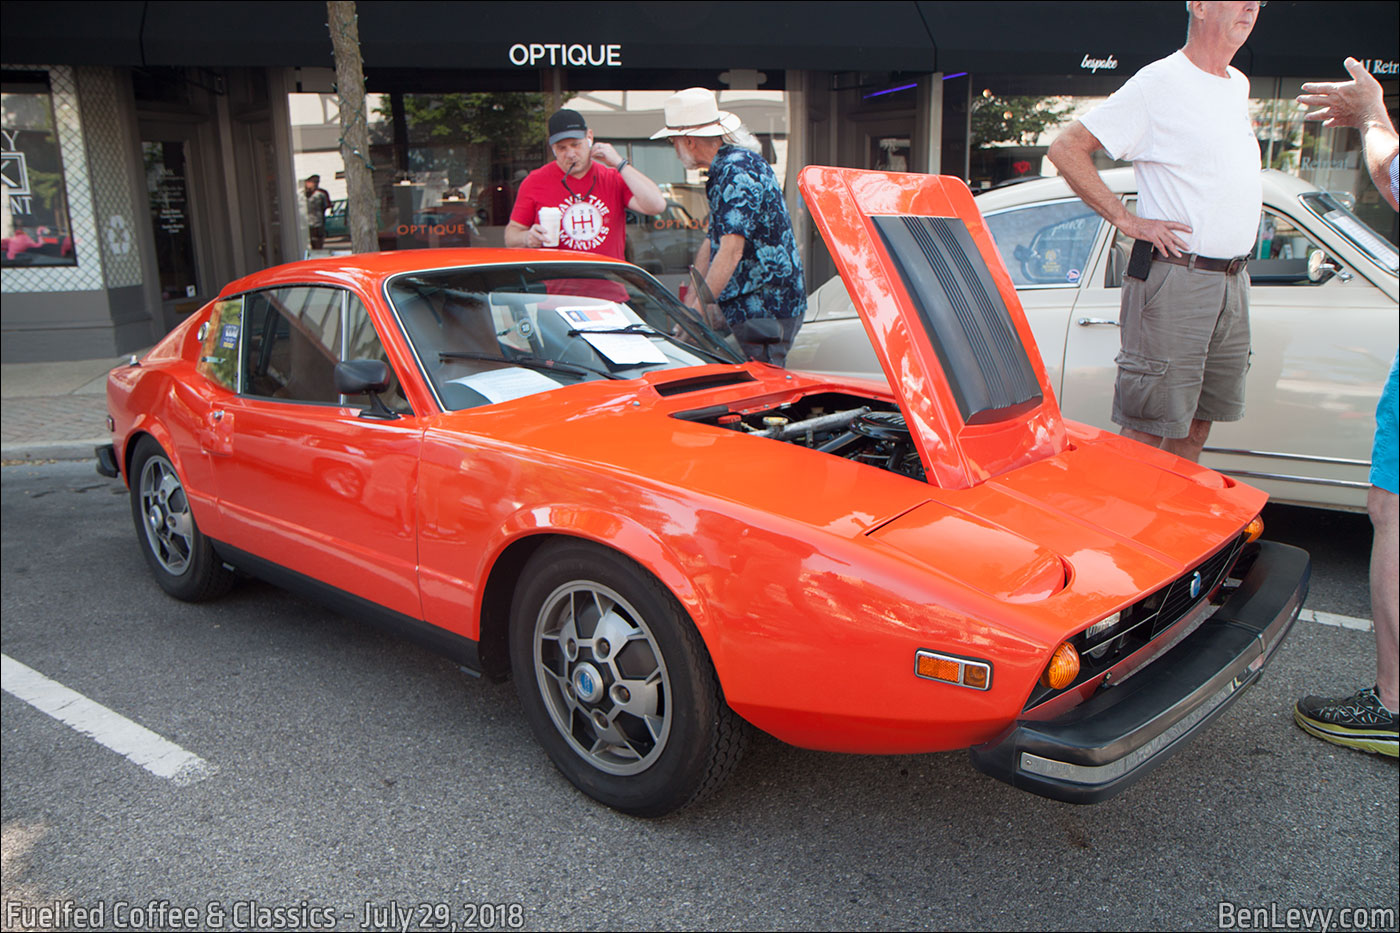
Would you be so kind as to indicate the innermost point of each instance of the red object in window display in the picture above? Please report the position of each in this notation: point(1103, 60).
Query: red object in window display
point(667, 546)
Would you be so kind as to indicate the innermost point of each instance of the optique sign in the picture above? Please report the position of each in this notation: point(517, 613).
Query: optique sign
point(554, 54)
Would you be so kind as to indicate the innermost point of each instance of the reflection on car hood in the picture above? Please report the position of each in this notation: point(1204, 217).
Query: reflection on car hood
point(1093, 527)
point(946, 324)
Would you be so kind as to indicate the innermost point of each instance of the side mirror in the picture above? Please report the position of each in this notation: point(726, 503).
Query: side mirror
point(362, 377)
point(764, 331)
point(761, 331)
point(366, 377)
point(1320, 268)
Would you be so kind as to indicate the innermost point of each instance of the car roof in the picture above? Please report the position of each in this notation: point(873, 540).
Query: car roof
point(1282, 186)
point(367, 267)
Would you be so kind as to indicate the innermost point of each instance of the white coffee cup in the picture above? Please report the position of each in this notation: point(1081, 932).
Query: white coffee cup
point(551, 218)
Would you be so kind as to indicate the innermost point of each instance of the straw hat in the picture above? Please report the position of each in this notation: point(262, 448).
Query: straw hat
point(694, 112)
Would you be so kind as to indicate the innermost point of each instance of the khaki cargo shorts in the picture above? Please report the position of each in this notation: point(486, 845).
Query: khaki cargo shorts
point(1185, 352)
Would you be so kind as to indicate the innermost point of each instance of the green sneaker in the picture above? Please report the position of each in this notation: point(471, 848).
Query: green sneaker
point(1359, 721)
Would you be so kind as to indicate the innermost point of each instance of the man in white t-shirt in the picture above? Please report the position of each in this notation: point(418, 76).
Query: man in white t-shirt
point(1183, 122)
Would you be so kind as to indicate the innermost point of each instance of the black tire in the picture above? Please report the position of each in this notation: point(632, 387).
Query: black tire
point(642, 728)
point(181, 558)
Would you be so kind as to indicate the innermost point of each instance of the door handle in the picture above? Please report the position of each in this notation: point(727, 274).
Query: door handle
point(1090, 321)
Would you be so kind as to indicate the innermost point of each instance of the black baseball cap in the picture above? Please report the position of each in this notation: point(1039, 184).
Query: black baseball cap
point(566, 124)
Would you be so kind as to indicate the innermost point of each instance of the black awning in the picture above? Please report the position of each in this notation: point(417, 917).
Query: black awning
point(1298, 38)
point(1310, 39)
point(1301, 38)
point(1053, 38)
point(63, 34)
point(887, 36)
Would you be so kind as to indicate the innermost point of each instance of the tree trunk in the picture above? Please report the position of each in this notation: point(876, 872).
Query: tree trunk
point(361, 211)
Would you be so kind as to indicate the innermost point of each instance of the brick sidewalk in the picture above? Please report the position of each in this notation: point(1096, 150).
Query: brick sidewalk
point(60, 418)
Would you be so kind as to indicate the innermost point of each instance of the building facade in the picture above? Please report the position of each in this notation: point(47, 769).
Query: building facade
point(153, 151)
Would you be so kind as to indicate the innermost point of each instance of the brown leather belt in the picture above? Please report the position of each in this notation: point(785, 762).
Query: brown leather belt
point(1204, 263)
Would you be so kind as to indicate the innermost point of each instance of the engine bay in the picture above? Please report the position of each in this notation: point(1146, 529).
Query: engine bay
point(859, 428)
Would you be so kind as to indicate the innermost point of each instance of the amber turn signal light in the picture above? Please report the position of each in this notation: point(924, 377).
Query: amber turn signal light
point(1062, 669)
point(951, 669)
point(1255, 529)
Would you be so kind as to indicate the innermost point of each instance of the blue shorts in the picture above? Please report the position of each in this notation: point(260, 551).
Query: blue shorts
point(1385, 466)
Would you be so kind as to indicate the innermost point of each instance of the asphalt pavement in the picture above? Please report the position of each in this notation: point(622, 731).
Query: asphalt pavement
point(353, 780)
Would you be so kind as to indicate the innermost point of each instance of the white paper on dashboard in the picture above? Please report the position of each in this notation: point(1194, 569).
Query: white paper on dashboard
point(502, 385)
point(1365, 236)
point(621, 349)
point(626, 349)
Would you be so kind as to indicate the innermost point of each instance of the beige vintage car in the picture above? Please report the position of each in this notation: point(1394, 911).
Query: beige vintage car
point(1323, 315)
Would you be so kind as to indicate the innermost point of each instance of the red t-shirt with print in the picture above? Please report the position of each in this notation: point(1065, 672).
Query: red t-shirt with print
point(592, 206)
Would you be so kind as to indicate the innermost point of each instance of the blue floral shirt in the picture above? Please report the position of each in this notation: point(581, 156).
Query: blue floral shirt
point(745, 199)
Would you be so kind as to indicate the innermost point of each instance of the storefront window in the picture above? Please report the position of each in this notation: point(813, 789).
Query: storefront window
point(1014, 118)
point(36, 227)
point(1330, 158)
point(447, 166)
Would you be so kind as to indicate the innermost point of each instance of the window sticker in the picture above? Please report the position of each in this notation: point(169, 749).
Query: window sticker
point(228, 338)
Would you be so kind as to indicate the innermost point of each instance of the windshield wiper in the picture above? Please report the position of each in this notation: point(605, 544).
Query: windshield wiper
point(646, 329)
point(529, 362)
point(649, 331)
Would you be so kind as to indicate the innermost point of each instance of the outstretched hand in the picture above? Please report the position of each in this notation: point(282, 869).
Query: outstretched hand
point(1345, 103)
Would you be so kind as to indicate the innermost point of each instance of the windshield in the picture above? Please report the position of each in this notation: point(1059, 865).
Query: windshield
point(1336, 216)
point(487, 334)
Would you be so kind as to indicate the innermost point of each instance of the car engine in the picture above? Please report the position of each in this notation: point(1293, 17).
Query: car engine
point(862, 429)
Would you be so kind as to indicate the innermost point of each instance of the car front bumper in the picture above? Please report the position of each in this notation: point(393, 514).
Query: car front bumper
point(1106, 743)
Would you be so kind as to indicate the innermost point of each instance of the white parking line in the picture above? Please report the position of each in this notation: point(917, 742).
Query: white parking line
point(157, 755)
point(1328, 618)
point(165, 759)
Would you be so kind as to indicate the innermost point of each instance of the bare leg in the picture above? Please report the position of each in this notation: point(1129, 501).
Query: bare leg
point(1142, 437)
point(1191, 445)
point(1385, 591)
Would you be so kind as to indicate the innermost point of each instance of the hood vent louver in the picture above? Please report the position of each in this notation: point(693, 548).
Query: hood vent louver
point(700, 383)
point(963, 315)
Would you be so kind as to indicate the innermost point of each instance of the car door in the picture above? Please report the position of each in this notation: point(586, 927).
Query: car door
point(1049, 248)
point(308, 479)
point(1321, 350)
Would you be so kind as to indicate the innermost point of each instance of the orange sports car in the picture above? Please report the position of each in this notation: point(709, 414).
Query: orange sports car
point(543, 465)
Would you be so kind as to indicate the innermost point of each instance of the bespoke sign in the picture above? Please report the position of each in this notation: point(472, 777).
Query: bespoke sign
point(1095, 65)
point(554, 54)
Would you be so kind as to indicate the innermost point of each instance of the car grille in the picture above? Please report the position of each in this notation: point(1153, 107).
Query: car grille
point(1176, 599)
point(1148, 618)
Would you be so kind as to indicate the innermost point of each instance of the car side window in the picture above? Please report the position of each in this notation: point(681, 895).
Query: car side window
point(1046, 245)
point(1281, 252)
point(362, 343)
point(1119, 251)
point(292, 344)
point(1279, 257)
point(218, 352)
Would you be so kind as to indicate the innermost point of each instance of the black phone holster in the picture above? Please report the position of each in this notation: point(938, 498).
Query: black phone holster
point(1140, 261)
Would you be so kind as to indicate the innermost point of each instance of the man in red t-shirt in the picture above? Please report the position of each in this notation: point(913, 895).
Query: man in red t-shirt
point(590, 184)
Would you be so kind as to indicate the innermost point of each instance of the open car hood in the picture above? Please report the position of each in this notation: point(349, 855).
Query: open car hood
point(943, 318)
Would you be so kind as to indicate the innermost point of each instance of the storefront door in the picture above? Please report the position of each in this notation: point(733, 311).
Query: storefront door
point(169, 156)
